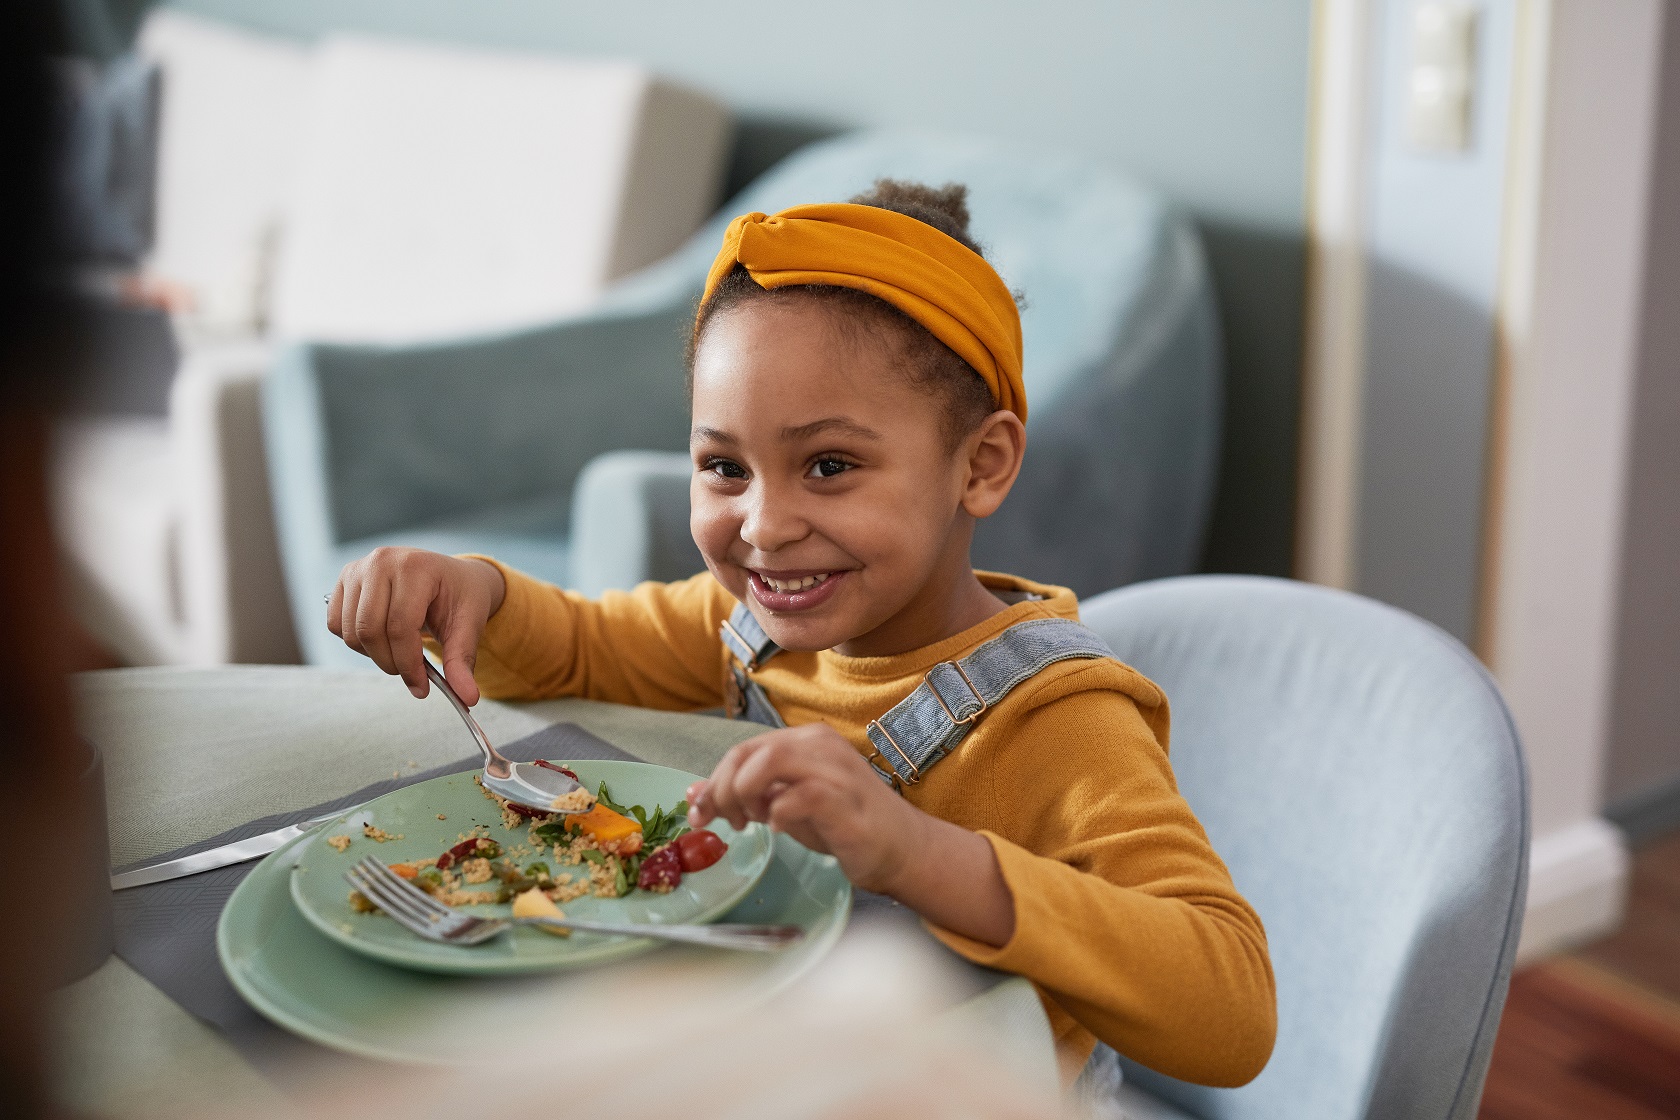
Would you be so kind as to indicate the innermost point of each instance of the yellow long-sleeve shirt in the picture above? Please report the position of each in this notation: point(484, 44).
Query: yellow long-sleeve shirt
point(1125, 918)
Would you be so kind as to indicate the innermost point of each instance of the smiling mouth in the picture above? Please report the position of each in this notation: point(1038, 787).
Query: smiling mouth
point(790, 592)
point(789, 586)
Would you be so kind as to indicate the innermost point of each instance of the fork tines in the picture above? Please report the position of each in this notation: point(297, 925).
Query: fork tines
point(407, 904)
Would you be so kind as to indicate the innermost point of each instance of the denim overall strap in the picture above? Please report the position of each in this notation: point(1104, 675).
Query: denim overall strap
point(743, 637)
point(927, 725)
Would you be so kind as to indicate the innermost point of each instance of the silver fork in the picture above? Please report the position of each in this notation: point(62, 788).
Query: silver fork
point(420, 913)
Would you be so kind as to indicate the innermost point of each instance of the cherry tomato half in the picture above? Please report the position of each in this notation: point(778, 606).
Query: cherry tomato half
point(700, 848)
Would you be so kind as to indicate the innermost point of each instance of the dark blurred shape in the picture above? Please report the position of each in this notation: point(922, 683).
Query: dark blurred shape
point(40, 810)
point(104, 130)
point(762, 142)
point(107, 117)
point(120, 361)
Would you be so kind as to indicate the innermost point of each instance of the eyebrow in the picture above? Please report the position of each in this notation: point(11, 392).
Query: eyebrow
point(833, 424)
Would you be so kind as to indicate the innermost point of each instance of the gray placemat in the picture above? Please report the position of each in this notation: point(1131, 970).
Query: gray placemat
point(167, 931)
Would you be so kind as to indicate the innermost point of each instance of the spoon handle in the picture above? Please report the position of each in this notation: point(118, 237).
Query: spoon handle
point(494, 764)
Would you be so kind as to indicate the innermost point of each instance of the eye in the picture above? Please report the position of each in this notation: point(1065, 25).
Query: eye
point(828, 467)
point(725, 468)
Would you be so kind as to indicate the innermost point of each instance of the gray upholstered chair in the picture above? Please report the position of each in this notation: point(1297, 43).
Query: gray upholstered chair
point(1358, 771)
point(476, 445)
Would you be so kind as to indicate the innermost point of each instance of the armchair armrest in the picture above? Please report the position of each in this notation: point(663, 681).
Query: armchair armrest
point(630, 521)
point(379, 442)
point(232, 587)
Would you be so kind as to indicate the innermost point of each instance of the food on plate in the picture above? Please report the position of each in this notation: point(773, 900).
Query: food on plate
point(373, 832)
point(575, 801)
point(338, 843)
point(607, 850)
point(470, 847)
point(661, 871)
point(616, 833)
point(535, 904)
point(699, 849)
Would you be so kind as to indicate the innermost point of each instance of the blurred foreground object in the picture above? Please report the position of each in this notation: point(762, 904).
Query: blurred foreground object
point(1360, 775)
point(353, 190)
point(47, 768)
point(473, 445)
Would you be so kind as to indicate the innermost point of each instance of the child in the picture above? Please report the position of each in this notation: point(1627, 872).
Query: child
point(855, 375)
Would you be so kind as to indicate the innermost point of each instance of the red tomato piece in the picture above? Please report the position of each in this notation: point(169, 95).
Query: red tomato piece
point(553, 766)
point(699, 849)
point(466, 849)
point(661, 871)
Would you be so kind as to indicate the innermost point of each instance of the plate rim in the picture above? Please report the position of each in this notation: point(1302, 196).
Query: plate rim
point(237, 976)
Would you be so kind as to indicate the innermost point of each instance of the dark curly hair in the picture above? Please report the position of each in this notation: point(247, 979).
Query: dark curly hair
point(928, 362)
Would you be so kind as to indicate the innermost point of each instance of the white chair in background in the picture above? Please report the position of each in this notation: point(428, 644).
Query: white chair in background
point(359, 191)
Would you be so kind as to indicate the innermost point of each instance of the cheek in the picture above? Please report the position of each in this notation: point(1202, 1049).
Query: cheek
point(711, 522)
point(896, 521)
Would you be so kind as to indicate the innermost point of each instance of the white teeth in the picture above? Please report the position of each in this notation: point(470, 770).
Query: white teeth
point(787, 586)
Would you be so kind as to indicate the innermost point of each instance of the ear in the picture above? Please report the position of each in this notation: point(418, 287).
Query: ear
point(994, 452)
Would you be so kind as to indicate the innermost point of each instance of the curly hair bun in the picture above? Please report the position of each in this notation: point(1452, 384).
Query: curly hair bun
point(944, 208)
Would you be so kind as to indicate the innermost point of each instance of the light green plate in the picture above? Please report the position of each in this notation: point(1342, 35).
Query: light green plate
point(317, 988)
point(320, 891)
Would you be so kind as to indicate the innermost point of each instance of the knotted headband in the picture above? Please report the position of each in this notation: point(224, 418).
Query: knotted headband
point(931, 277)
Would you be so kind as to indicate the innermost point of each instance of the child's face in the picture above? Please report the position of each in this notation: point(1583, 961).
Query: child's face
point(814, 457)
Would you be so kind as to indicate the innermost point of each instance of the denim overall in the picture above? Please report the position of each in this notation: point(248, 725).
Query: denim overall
point(928, 724)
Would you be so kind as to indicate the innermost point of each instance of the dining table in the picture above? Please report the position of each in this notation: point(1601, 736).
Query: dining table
point(193, 756)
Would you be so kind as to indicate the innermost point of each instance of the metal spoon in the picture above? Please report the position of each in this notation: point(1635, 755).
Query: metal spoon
point(535, 787)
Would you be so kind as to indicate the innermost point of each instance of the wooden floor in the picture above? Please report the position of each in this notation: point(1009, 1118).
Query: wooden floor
point(1596, 1034)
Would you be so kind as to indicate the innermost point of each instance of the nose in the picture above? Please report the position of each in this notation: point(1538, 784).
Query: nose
point(773, 517)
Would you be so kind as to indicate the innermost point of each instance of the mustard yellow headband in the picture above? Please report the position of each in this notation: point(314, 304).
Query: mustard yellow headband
point(931, 277)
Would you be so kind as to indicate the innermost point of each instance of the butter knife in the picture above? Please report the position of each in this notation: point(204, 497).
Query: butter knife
point(226, 855)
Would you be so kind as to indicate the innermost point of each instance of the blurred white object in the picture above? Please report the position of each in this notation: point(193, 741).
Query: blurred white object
point(446, 191)
point(1442, 76)
point(228, 140)
point(351, 190)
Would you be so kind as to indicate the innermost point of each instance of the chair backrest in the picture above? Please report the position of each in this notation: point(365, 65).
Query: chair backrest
point(1358, 772)
point(442, 191)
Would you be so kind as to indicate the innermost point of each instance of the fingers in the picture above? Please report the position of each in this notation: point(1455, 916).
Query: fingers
point(719, 798)
point(756, 776)
point(785, 763)
point(699, 809)
point(403, 620)
point(460, 654)
point(335, 603)
point(349, 593)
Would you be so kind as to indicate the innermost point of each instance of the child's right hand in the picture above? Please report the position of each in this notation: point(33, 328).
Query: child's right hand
point(384, 602)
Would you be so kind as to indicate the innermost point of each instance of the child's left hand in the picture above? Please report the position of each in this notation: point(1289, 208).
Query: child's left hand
point(812, 784)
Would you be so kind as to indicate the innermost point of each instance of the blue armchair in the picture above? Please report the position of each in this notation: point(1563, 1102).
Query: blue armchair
point(476, 445)
point(1358, 771)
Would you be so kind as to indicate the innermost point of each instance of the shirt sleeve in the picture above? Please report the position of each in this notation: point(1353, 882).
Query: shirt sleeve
point(1124, 915)
point(654, 647)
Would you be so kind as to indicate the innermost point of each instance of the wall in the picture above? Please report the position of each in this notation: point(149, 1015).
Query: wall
point(1503, 422)
point(1434, 262)
point(1207, 100)
point(1570, 335)
point(1642, 783)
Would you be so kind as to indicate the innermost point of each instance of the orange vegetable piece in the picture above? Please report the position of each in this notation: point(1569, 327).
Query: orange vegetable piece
point(405, 870)
point(606, 826)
